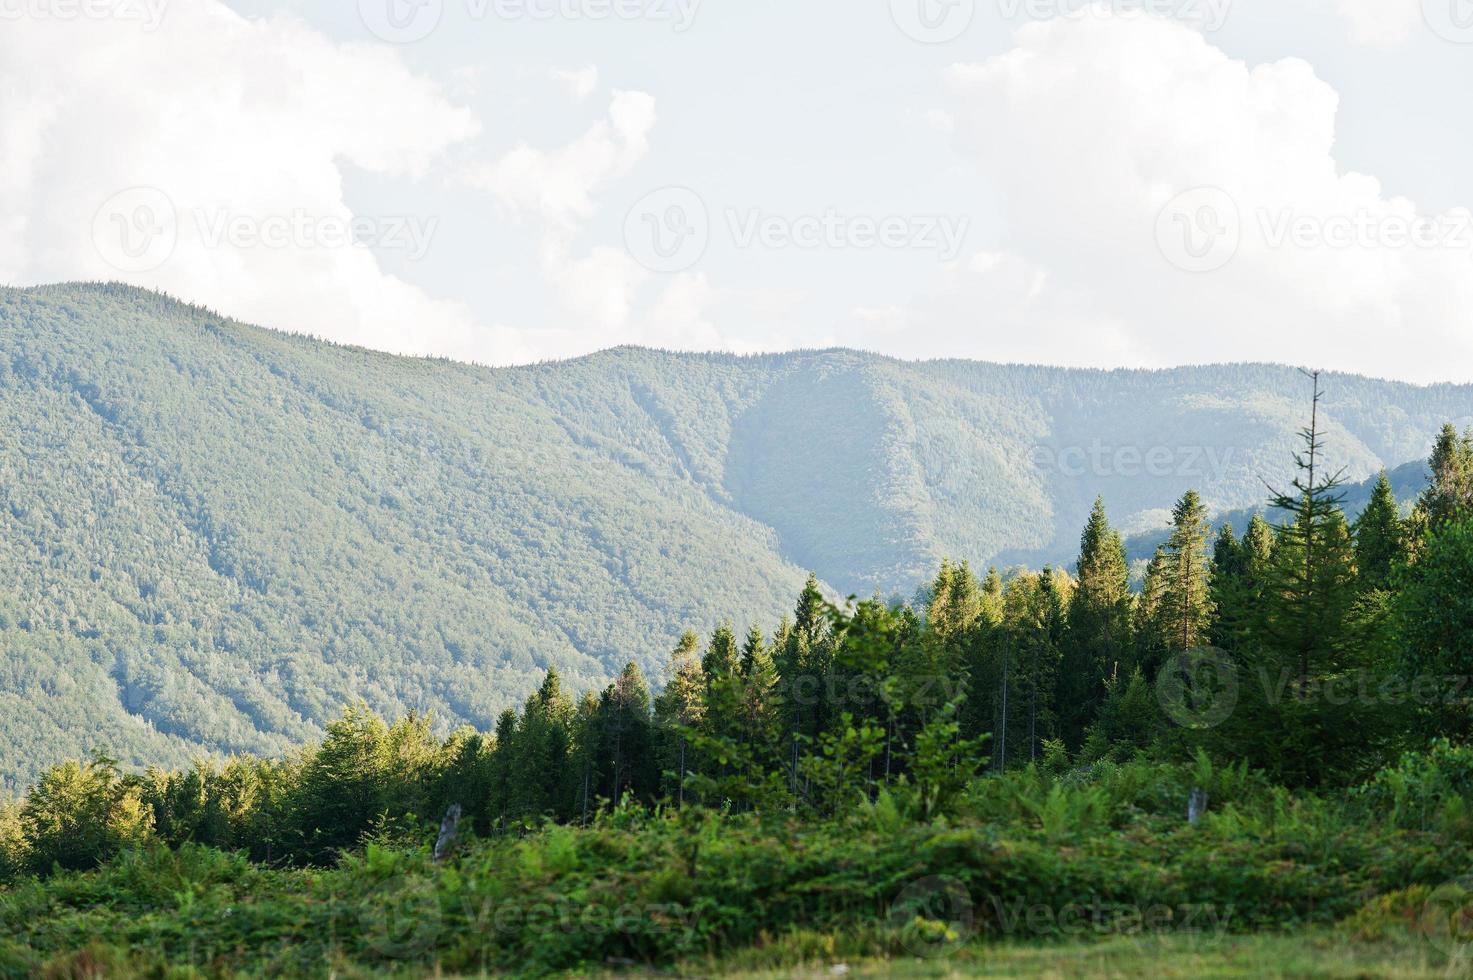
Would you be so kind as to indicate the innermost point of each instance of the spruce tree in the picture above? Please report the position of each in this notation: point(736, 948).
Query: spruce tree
point(1306, 634)
point(1229, 574)
point(1150, 624)
point(1380, 542)
point(625, 757)
point(678, 709)
point(1449, 495)
point(1099, 626)
point(1186, 602)
point(1309, 596)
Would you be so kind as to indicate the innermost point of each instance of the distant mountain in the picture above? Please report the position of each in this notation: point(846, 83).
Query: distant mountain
point(1407, 482)
point(213, 535)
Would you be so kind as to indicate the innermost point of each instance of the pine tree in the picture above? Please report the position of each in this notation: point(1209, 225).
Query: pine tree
point(1309, 594)
point(1305, 633)
point(1449, 495)
point(625, 744)
point(1229, 572)
point(540, 751)
point(1034, 622)
point(1186, 602)
point(1099, 626)
point(679, 708)
point(1380, 542)
point(759, 707)
point(583, 756)
point(802, 666)
point(1151, 626)
point(1435, 617)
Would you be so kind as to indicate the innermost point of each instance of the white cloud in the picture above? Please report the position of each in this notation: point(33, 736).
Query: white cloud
point(579, 84)
point(558, 186)
point(250, 120)
point(1381, 23)
point(556, 190)
point(1089, 126)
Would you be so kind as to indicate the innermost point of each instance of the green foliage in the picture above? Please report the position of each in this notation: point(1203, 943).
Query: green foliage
point(1434, 609)
point(658, 890)
point(215, 536)
point(1425, 790)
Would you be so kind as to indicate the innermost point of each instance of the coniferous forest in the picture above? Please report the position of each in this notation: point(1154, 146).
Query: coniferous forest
point(1258, 754)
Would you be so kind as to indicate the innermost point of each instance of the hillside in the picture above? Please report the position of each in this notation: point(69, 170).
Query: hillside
point(1408, 481)
point(213, 535)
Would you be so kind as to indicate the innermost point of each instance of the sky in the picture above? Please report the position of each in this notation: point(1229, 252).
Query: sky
point(1139, 183)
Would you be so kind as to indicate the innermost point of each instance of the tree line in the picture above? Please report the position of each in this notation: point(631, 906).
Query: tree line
point(977, 673)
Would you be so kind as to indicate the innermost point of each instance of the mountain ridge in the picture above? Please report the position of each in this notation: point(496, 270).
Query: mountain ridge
point(212, 534)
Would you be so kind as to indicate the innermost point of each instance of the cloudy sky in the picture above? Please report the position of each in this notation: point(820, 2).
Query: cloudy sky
point(1138, 182)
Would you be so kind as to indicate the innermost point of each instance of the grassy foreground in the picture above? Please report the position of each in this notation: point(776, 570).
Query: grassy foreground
point(693, 894)
point(1318, 953)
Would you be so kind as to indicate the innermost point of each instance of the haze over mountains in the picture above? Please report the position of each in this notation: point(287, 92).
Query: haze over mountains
point(214, 535)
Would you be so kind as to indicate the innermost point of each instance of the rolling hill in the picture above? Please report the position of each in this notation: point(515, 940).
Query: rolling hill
point(213, 535)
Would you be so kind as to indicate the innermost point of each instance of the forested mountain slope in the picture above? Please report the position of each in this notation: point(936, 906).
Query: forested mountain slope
point(214, 535)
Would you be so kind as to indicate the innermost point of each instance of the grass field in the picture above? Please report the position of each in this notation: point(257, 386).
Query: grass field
point(1321, 953)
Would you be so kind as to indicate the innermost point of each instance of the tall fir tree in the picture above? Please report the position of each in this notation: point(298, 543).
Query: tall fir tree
point(625, 743)
point(1098, 626)
point(680, 707)
point(1305, 632)
point(1449, 494)
point(1186, 602)
point(1380, 538)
